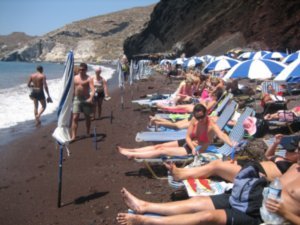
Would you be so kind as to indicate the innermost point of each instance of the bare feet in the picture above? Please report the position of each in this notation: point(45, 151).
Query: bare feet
point(129, 219)
point(133, 202)
point(37, 121)
point(125, 152)
point(174, 171)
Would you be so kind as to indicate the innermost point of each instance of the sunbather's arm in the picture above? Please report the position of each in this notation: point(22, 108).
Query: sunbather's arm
point(188, 138)
point(223, 136)
point(271, 150)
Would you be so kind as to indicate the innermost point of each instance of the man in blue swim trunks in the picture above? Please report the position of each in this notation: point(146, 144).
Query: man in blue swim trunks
point(38, 83)
point(83, 96)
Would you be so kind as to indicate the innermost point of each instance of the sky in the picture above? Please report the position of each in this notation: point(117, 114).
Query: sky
point(38, 17)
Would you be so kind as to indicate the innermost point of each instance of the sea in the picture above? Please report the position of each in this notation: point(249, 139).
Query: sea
point(16, 108)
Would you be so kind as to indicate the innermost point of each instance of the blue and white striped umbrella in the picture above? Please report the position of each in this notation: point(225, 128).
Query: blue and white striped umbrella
point(192, 62)
point(220, 64)
point(291, 58)
point(255, 69)
point(61, 133)
point(252, 55)
point(179, 61)
point(274, 55)
point(291, 73)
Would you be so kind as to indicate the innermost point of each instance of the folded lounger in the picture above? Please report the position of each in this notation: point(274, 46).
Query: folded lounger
point(172, 136)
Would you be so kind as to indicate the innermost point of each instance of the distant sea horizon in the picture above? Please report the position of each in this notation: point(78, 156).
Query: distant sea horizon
point(16, 112)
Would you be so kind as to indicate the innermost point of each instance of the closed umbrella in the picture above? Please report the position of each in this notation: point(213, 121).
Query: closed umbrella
point(61, 133)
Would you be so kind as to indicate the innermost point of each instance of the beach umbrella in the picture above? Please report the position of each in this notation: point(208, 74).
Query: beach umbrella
point(252, 55)
point(121, 82)
point(164, 61)
point(192, 62)
point(207, 58)
point(64, 113)
point(274, 55)
point(291, 73)
point(220, 64)
point(255, 69)
point(291, 57)
point(178, 61)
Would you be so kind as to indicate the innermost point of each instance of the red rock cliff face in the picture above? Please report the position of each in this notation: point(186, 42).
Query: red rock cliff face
point(215, 26)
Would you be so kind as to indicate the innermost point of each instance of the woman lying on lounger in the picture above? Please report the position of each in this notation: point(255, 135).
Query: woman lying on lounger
point(275, 166)
point(161, 122)
point(284, 115)
point(201, 132)
point(208, 102)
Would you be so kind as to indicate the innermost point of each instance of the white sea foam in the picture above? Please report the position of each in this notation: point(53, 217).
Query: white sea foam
point(17, 107)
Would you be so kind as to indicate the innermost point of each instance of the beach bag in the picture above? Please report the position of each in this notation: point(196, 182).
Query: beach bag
point(246, 195)
point(286, 116)
point(262, 128)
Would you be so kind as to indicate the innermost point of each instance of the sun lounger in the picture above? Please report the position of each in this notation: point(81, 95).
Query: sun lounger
point(237, 132)
point(172, 136)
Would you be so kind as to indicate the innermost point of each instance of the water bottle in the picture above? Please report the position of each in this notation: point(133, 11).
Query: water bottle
point(273, 192)
point(275, 189)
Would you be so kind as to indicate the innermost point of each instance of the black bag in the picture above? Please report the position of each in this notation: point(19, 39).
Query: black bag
point(262, 128)
point(246, 195)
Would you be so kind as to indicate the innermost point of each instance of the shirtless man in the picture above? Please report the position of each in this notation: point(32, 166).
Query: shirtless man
point(38, 83)
point(202, 210)
point(83, 97)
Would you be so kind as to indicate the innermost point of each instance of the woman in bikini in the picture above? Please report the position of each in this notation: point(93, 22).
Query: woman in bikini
point(201, 132)
point(101, 92)
point(273, 167)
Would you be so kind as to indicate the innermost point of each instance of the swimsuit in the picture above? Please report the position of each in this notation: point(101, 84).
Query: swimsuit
point(282, 165)
point(37, 93)
point(80, 105)
point(203, 136)
point(99, 90)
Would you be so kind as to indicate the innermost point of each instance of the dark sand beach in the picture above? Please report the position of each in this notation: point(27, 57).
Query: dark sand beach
point(92, 178)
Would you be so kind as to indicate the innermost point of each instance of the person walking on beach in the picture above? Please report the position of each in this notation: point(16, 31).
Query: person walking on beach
point(38, 83)
point(101, 92)
point(83, 99)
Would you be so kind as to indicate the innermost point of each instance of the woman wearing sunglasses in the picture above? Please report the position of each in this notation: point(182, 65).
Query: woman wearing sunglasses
point(200, 134)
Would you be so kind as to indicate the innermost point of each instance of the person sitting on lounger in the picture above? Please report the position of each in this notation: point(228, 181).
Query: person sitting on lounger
point(201, 132)
point(215, 209)
point(208, 102)
point(185, 90)
point(271, 96)
point(275, 166)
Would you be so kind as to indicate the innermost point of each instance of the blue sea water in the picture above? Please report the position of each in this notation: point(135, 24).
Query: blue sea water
point(16, 108)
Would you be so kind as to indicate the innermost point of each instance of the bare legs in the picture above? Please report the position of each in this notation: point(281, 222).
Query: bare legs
point(224, 169)
point(197, 210)
point(75, 119)
point(37, 113)
point(168, 148)
point(97, 105)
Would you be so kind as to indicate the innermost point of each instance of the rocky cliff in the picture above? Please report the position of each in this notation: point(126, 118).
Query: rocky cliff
point(95, 39)
point(214, 27)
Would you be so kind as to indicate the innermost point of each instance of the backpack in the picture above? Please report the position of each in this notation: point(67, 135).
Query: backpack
point(262, 128)
point(246, 195)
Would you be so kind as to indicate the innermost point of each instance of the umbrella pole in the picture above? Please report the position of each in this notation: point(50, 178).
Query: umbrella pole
point(122, 97)
point(95, 138)
point(61, 148)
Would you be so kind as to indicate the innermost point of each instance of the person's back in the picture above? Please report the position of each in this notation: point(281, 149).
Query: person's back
point(38, 80)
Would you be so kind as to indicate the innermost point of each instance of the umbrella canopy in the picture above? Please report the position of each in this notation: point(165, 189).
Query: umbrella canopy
point(179, 61)
point(274, 55)
point(164, 61)
point(192, 62)
point(255, 69)
point(252, 55)
point(291, 58)
point(61, 133)
point(291, 73)
point(220, 64)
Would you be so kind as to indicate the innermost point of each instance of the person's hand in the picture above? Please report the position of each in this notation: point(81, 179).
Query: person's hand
point(49, 100)
point(275, 206)
point(278, 138)
point(107, 98)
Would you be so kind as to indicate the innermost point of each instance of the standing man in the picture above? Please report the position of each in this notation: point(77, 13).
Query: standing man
point(83, 97)
point(38, 83)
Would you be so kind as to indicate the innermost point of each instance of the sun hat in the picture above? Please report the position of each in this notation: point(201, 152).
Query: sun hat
point(249, 125)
